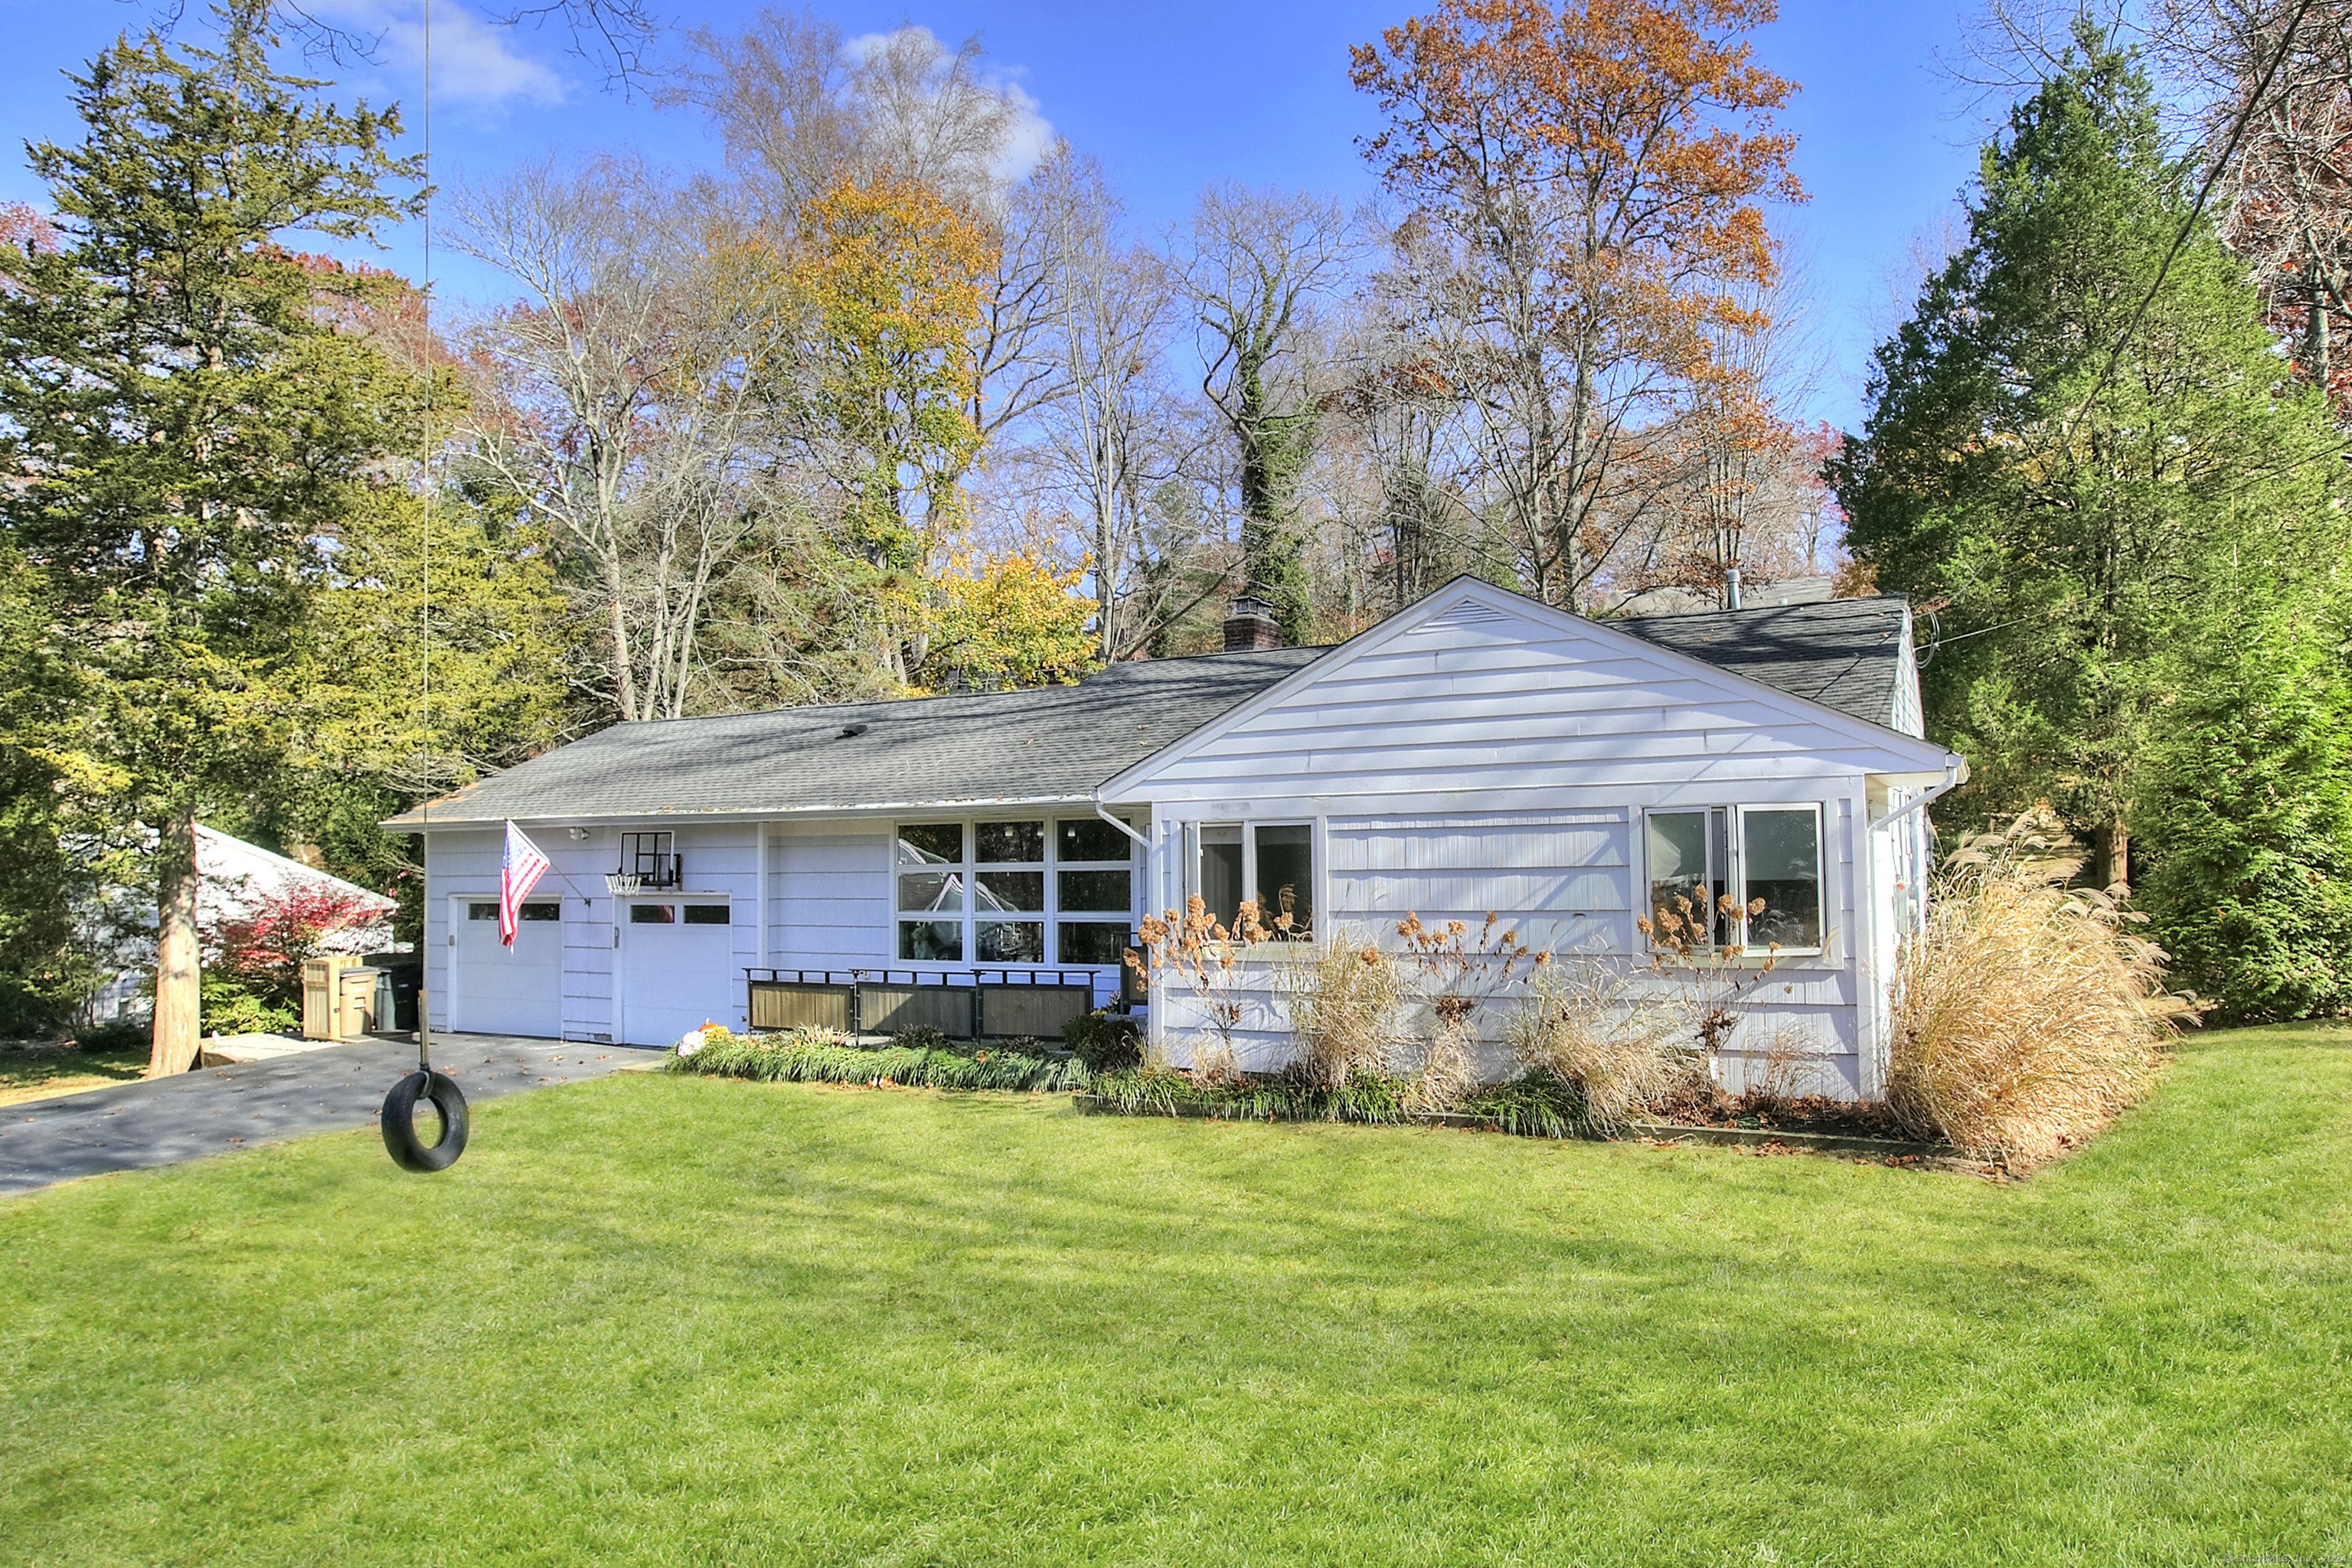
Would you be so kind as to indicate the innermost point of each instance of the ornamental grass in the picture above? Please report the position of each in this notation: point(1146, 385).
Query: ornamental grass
point(2027, 1015)
point(817, 1055)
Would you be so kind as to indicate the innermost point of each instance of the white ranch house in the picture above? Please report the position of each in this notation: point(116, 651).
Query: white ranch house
point(979, 862)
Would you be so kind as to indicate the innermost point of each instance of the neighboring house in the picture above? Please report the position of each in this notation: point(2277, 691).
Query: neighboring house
point(1475, 752)
point(239, 880)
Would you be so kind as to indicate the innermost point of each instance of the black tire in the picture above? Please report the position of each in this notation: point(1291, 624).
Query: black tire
point(409, 1152)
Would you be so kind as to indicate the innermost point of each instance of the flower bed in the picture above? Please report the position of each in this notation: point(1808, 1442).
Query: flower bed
point(810, 1055)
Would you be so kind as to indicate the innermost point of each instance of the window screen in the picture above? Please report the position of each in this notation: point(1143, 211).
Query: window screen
point(1782, 859)
point(1220, 882)
point(1285, 878)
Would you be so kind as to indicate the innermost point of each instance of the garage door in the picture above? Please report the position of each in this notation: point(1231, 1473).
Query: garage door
point(501, 990)
point(678, 968)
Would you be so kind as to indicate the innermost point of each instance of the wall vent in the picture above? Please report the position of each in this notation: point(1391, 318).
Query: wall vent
point(1461, 616)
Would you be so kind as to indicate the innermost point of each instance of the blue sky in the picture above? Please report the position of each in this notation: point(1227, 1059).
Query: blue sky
point(1169, 96)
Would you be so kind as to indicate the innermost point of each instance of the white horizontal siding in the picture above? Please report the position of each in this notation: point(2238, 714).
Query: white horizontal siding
point(1498, 705)
point(829, 887)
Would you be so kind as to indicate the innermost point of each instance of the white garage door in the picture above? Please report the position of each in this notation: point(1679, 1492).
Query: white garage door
point(678, 968)
point(503, 990)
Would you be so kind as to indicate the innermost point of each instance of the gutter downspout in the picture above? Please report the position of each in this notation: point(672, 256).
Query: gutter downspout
point(1102, 811)
point(1955, 775)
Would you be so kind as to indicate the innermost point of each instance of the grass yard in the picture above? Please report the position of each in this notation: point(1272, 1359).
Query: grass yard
point(662, 1320)
point(39, 1070)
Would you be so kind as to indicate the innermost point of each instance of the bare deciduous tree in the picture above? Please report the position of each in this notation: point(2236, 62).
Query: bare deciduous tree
point(1260, 262)
point(620, 401)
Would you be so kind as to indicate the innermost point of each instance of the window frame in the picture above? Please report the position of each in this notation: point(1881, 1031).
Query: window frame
point(1735, 871)
point(1049, 919)
point(1248, 826)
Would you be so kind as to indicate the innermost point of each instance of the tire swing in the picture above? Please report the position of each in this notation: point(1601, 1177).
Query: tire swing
point(410, 1152)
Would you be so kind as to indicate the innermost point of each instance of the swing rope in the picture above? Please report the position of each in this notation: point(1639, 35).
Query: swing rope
point(424, 572)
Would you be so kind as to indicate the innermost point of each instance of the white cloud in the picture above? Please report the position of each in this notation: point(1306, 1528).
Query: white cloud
point(473, 61)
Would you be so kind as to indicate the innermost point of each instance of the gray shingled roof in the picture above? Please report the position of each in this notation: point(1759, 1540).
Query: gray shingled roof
point(1053, 742)
point(1059, 743)
point(1844, 654)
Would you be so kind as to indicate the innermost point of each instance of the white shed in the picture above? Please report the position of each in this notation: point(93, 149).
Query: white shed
point(1476, 753)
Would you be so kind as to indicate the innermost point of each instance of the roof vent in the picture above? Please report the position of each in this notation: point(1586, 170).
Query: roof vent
point(1250, 625)
point(849, 729)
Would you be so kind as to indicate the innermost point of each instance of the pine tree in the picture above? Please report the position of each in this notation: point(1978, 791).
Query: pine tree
point(184, 421)
point(2072, 438)
point(2246, 813)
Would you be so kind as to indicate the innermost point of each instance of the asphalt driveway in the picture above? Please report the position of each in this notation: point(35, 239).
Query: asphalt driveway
point(214, 1110)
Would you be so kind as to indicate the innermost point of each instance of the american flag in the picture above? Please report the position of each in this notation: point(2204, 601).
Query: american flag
point(523, 869)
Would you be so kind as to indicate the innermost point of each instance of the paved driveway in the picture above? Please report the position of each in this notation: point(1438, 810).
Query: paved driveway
point(162, 1122)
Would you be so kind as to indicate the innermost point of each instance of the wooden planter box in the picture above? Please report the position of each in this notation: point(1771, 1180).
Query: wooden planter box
point(796, 1004)
point(1038, 1012)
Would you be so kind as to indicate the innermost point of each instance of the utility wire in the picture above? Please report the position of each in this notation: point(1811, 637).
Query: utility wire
point(2196, 210)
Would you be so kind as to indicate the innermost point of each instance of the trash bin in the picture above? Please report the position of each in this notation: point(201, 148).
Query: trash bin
point(397, 976)
point(356, 994)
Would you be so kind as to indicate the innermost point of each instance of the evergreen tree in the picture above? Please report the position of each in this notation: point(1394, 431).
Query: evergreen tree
point(2071, 440)
point(186, 422)
point(2246, 810)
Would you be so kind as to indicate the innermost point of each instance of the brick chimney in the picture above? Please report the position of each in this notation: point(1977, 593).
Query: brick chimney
point(1249, 625)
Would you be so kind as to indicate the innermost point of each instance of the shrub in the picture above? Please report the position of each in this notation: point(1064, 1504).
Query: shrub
point(114, 1037)
point(1344, 997)
point(2025, 1015)
point(1372, 1097)
point(820, 1056)
point(922, 1038)
point(234, 1004)
point(1615, 1042)
point(1539, 1103)
point(1104, 1040)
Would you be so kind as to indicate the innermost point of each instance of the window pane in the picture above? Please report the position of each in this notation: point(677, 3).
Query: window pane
point(1285, 878)
point(706, 914)
point(1094, 889)
point(1677, 845)
point(1009, 891)
point(931, 940)
point(931, 843)
point(998, 842)
point(1092, 941)
point(930, 891)
point(653, 914)
point(1784, 869)
point(541, 911)
point(1220, 882)
point(482, 911)
point(1010, 942)
point(1090, 838)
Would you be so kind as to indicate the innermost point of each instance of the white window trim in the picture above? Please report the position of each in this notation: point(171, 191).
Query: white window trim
point(1734, 875)
point(1188, 873)
point(1051, 918)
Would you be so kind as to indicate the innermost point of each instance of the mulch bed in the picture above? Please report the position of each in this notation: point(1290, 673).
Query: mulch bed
point(1799, 1113)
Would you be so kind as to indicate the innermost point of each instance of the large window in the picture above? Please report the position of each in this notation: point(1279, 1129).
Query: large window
point(1709, 864)
point(1270, 862)
point(1030, 891)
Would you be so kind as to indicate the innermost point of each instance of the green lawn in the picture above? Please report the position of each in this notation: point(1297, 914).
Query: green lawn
point(38, 1070)
point(659, 1320)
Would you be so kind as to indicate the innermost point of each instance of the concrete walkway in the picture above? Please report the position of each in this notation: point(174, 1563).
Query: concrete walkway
point(162, 1122)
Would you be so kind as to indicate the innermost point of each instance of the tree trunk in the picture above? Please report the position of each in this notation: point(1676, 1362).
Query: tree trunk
point(2111, 857)
point(179, 961)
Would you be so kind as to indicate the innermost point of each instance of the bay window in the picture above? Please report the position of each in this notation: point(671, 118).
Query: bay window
point(1723, 858)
